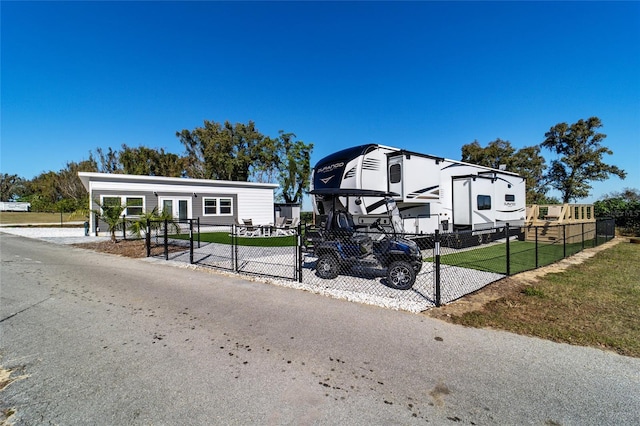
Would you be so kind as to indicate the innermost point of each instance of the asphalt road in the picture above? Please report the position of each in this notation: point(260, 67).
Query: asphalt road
point(107, 340)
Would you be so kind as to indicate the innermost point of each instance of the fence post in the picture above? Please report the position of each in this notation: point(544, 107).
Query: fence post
point(147, 237)
point(582, 235)
point(166, 240)
point(436, 252)
point(506, 233)
point(299, 252)
point(191, 241)
point(536, 228)
point(198, 231)
point(234, 247)
point(564, 240)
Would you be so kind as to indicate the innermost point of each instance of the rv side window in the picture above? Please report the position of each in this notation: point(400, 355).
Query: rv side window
point(395, 173)
point(509, 198)
point(484, 202)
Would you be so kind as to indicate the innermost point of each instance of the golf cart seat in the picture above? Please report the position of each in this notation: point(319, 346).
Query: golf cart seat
point(348, 229)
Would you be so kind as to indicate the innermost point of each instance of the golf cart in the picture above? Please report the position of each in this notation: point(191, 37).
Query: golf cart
point(340, 245)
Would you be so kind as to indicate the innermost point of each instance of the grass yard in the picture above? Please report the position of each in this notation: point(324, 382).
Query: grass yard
point(25, 218)
point(493, 258)
point(225, 238)
point(596, 303)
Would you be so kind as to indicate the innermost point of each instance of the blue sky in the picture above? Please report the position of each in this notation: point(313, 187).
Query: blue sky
point(423, 76)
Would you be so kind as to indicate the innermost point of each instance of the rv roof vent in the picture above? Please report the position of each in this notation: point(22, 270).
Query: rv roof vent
point(502, 167)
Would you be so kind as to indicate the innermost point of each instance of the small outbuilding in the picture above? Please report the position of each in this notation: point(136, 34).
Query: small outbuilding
point(215, 201)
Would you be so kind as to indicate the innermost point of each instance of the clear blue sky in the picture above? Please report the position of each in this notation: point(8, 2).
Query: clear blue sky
point(424, 76)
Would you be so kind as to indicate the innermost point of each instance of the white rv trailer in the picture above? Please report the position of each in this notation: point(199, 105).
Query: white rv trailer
point(435, 193)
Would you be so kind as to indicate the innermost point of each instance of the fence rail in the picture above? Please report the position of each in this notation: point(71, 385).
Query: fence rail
point(454, 264)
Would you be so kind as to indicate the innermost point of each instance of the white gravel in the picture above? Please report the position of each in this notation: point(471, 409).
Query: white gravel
point(54, 235)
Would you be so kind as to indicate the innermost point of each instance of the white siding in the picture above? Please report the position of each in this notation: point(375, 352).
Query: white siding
point(255, 204)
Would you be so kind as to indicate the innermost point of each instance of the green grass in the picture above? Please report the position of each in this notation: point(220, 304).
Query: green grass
point(596, 303)
point(36, 218)
point(225, 238)
point(493, 258)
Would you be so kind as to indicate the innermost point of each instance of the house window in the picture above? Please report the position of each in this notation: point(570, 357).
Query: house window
point(225, 206)
point(132, 206)
point(395, 173)
point(135, 206)
point(210, 206)
point(111, 202)
point(217, 206)
point(484, 202)
point(510, 198)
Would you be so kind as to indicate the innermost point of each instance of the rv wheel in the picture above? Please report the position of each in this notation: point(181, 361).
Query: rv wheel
point(401, 275)
point(327, 266)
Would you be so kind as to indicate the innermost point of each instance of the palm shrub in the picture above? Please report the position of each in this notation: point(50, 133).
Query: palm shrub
point(111, 214)
point(155, 219)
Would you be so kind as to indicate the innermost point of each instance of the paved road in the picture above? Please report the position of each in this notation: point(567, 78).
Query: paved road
point(109, 340)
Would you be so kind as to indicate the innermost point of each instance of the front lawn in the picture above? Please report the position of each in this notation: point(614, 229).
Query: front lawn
point(493, 258)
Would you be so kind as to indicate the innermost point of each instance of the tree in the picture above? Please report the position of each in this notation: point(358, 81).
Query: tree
point(108, 162)
point(59, 191)
point(622, 206)
point(150, 162)
point(580, 162)
point(11, 187)
point(269, 154)
point(221, 151)
point(296, 167)
point(527, 162)
point(240, 152)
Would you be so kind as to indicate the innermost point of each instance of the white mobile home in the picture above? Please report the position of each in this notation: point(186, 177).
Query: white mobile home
point(433, 192)
point(14, 206)
point(216, 201)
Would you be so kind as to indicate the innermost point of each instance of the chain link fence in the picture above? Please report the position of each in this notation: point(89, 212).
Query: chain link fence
point(374, 266)
point(468, 261)
point(228, 247)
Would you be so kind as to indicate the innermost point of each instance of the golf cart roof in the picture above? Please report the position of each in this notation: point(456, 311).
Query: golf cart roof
point(353, 192)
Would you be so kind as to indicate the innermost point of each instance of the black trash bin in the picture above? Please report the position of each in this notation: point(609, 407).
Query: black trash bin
point(86, 229)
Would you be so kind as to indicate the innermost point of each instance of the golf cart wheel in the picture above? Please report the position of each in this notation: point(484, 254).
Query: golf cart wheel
point(401, 275)
point(327, 266)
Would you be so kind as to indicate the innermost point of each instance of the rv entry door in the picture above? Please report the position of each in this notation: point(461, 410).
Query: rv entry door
point(462, 203)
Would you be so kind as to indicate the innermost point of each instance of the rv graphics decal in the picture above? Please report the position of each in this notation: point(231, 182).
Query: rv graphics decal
point(331, 167)
point(433, 194)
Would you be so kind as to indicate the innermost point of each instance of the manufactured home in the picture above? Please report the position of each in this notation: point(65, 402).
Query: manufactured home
point(433, 192)
point(215, 201)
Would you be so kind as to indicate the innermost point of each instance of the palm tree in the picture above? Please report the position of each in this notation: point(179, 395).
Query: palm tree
point(155, 218)
point(111, 214)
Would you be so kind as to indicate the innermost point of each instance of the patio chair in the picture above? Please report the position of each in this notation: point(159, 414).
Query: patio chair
point(241, 229)
point(250, 229)
point(279, 226)
point(289, 227)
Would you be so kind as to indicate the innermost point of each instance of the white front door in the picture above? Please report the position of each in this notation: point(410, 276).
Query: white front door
point(179, 208)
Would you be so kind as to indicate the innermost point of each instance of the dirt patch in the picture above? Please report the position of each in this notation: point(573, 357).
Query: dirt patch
point(129, 248)
point(512, 285)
